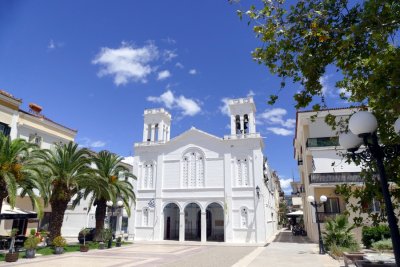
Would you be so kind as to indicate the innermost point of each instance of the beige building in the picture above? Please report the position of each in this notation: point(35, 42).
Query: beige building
point(321, 167)
point(34, 127)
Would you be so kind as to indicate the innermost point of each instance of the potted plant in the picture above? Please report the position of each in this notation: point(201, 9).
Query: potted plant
point(31, 244)
point(118, 241)
point(59, 243)
point(12, 255)
point(103, 236)
point(84, 247)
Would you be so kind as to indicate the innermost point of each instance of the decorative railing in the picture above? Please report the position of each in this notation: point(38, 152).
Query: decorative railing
point(335, 177)
point(149, 143)
point(242, 136)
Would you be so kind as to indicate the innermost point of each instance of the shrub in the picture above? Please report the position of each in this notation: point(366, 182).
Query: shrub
point(33, 232)
point(59, 241)
point(372, 234)
point(338, 233)
point(385, 244)
point(31, 242)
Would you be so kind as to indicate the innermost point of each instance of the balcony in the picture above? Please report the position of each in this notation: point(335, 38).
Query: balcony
point(335, 177)
point(324, 216)
point(242, 136)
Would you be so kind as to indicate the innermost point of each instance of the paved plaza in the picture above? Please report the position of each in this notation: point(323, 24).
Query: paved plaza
point(285, 250)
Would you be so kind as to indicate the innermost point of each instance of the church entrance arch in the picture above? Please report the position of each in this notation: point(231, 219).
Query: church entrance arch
point(215, 222)
point(192, 222)
point(171, 222)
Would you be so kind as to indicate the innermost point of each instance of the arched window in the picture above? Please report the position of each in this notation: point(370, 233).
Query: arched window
point(148, 175)
point(246, 123)
point(192, 169)
point(242, 173)
point(145, 216)
point(237, 123)
point(244, 217)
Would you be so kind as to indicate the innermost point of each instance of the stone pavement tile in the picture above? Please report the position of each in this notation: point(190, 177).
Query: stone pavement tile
point(213, 256)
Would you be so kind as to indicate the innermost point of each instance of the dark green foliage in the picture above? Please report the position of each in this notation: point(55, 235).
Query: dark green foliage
point(371, 234)
point(338, 232)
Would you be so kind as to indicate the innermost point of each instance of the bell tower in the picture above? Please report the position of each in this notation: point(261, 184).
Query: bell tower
point(157, 125)
point(242, 111)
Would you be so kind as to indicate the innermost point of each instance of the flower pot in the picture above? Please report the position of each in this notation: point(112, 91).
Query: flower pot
point(58, 250)
point(12, 257)
point(102, 245)
point(118, 244)
point(30, 253)
point(84, 248)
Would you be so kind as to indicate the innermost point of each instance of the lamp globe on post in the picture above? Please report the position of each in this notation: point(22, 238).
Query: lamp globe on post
point(397, 126)
point(310, 199)
point(349, 141)
point(323, 198)
point(363, 122)
point(109, 203)
point(120, 203)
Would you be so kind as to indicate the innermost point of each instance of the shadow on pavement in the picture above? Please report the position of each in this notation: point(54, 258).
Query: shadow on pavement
point(288, 237)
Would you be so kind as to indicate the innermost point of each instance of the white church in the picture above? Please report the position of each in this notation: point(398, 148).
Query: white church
point(200, 187)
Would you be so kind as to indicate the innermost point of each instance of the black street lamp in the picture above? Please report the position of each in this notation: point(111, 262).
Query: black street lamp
point(363, 126)
point(315, 204)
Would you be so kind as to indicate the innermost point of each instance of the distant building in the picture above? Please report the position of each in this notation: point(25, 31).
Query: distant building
point(201, 187)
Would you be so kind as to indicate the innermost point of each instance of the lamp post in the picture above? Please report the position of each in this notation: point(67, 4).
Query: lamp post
point(363, 126)
point(114, 210)
point(315, 204)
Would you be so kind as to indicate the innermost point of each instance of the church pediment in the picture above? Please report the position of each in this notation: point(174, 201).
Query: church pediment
point(194, 134)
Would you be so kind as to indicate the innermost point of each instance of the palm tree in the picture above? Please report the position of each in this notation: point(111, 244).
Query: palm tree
point(109, 169)
point(19, 169)
point(338, 232)
point(68, 172)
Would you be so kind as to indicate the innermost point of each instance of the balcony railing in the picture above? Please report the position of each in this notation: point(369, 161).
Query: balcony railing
point(242, 136)
point(335, 177)
point(324, 216)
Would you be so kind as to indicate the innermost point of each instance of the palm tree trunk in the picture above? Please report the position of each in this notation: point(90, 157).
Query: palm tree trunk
point(100, 215)
point(3, 195)
point(58, 207)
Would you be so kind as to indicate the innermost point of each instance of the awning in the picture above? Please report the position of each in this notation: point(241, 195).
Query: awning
point(8, 213)
point(295, 213)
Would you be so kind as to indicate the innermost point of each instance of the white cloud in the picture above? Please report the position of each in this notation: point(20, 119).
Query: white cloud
point(225, 106)
point(346, 93)
point(163, 75)
point(285, 184)
point(169, 40)
point(327, 87)
point(53, 45)
point(89, 143)
point(193, 71)
point(275, 116)
point(126, 63)
point(187, 106)
point(168, 55)
point(179, 65)
point(280, 131)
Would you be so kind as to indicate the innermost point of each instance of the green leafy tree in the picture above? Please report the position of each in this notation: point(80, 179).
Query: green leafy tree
point(300, 41)
point(109, 170)
point(68, 172)
point(19, 168)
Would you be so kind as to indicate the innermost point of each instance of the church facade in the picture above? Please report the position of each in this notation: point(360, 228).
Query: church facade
point(200, 187)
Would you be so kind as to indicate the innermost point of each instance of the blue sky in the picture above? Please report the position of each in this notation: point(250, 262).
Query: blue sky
point(96, 65)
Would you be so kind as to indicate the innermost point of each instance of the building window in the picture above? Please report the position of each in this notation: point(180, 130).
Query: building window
point(244, 218)
point(35, 139)
point(375, 206)
point(242, 172)
point(323, 141)
point(5, 129)
point(192, 169)
point(145, 217)
point(148, 176)
point(332, 205)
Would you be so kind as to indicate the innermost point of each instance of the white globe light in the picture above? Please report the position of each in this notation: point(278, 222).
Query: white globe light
point(397, 126)
point(120, 203)
point(363, 122)
point(323, 198)
point(109, 203)
point(310, 199)
point(349, 140)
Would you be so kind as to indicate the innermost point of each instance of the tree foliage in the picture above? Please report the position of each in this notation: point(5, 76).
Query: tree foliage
point(360, 39)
